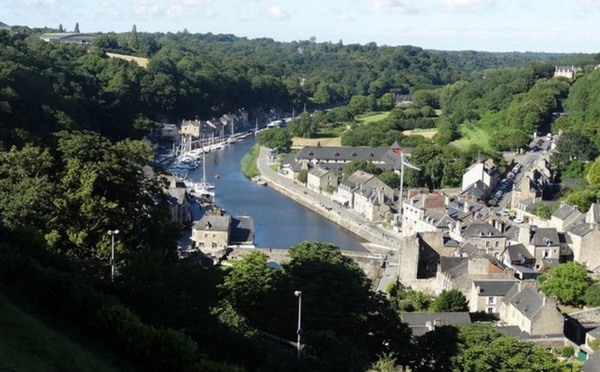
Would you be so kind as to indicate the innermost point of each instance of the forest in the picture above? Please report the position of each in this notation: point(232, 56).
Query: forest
point(72, 167)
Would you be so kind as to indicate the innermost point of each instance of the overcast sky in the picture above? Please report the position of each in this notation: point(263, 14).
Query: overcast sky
point(486, 25)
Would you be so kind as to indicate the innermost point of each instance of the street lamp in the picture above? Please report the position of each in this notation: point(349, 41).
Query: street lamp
point(299, 332)
point(112, 234)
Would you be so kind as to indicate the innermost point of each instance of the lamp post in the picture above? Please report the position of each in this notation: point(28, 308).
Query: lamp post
point(299, 331)
point(112, 234)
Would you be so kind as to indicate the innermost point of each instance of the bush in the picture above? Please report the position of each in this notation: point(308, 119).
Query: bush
point(567, 351)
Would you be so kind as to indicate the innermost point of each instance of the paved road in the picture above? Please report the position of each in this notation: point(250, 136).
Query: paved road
point(387, 242)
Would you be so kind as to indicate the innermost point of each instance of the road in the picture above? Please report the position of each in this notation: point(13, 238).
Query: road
point(385, 242)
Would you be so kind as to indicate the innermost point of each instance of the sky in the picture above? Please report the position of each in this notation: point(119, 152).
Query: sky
point(562, 26)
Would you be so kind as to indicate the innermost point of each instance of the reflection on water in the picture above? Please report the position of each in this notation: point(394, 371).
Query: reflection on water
point(279, 222)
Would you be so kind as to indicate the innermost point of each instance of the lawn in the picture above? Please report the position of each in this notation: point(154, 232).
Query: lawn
point(372, 117)
point(427, 133)
point(27, 344)
point(472, 135)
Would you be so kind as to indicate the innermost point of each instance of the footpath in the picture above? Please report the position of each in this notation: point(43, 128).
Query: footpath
point(381, 240)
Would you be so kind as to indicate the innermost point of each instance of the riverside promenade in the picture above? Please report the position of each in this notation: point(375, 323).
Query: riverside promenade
point(381, 240)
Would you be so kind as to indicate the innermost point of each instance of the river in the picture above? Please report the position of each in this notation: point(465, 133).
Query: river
point(279, 222)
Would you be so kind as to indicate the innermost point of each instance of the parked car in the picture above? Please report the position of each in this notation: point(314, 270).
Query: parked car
point(518, 220)
point(498, 194)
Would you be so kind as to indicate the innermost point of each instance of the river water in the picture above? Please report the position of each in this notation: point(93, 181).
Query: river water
point(279, 222)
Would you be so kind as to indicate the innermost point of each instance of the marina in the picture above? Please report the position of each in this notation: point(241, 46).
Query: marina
point(279, 221)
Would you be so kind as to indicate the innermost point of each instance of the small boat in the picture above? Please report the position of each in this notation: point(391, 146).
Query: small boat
point(217, 175)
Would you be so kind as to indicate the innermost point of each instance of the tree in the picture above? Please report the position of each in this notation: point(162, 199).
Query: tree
point(303, 125)
point(593, 174)
point(568, 282)
point(249, 284)
point(592, 295)
point(303, 176)
point(452, 300)
point(363, 165)
point(543, 211)
point(76, 30)
point(390, 178)
point(573, 146)
point(60, 28)
point(276, 138)
point(482, 348)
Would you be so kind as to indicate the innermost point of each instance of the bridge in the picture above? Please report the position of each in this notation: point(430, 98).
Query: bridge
point(370, 263)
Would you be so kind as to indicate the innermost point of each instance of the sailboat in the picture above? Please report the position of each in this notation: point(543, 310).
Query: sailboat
point(203, 187)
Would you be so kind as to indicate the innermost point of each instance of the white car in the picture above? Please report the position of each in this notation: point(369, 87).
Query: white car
point(518, 220)
point(376, 256)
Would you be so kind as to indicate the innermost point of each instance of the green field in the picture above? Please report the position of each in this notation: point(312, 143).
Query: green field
point(27, 344)
point(372, 117)
point(471, 135)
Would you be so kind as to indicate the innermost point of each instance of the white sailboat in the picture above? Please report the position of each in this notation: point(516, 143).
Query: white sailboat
point(203, 187)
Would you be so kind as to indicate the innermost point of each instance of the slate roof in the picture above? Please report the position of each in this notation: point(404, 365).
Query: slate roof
point(242, 230)
point(341, 153)
point(493, 287)
point(467, 249)
point(481, 229)
point(564, 211)
point(516, 251)
point(527, 301)
point(418, 321)
point(454, 266)
point(544, 236)
point(581, 229)
point(356, 179)
point(214, 222)
point(318, 172)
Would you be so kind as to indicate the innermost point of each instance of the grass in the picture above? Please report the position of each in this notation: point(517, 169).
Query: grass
point(248, 163)
point(142, 62)
point(325, 142)
point(427, 133)
point(472, 135)
point(28, 344)
point(372, 117)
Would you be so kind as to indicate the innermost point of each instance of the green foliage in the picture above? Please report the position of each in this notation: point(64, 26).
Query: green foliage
point(573, 146)
point(592, 295)
point(452, 300)
point(304, 125)
point(567, 351)
point(568, 282)
point(363, 165)
point(249, 284)
point(543, 211)
point(390, 178)
point(594, 344)
point(482, 348)
point(248, 163)
point(276, 138)
point(593, 174)
point(303, 176)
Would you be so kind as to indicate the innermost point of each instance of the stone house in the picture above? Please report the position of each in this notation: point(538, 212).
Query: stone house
point(192, 128)
point(459, 272)
point(211, 233)
point(565, 217)
point(487, 294)
point(423, 211)
point(585, 245)
point(371, 202)
point(532, 312)
point(485, 238)
point(177, 201)
point(318, 179)
point(565, 71)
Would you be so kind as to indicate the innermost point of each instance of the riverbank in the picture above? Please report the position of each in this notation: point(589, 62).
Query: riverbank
point(384, 240)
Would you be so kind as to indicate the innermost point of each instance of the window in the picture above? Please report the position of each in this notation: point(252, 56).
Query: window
point(497, 244)
point(201, 244)
point(491, 310)
point(487, 244)
point(206, 235)
point(214, 235)
point(491, 300)
point(214, 245)
point(547, 253)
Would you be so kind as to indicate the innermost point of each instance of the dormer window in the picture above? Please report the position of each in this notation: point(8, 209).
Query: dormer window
point(337, 154)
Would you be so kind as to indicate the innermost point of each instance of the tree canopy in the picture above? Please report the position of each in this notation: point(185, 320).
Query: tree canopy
point(568, 282)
